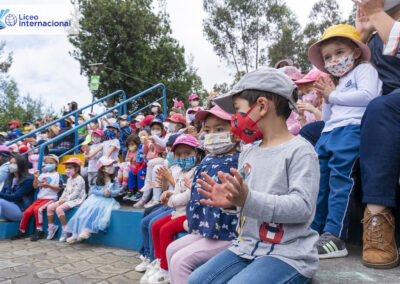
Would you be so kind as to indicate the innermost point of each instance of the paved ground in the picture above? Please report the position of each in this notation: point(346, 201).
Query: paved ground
point(52, 262)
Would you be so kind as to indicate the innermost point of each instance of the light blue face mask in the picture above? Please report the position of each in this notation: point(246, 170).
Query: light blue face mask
point(187, 163)
point(50, 167)
point(171, 160)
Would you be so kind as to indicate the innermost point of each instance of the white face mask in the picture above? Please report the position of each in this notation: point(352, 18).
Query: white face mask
point(340, 66)
point(13, 168)
point(218, 143)
point(154, 109)
point(156, 133)
point(96, 140)
point(195, 103)
point(171, 127)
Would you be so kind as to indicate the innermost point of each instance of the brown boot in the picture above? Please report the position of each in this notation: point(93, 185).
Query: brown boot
point(379, 244)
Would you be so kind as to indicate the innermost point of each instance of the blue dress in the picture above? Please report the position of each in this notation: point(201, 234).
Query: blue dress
point(95, 212)
point(209, 221)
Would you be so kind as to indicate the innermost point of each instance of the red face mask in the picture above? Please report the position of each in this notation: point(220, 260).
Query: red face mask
point(245, 128)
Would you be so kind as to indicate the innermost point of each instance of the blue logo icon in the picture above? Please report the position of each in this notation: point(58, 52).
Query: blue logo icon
point(10, 20)
point(2, 14)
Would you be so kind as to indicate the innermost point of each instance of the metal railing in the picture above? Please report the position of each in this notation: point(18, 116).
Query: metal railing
point(119, 106)
point(75, 114)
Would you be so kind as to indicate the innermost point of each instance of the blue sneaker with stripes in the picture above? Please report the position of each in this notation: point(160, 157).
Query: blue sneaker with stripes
point(330, 246)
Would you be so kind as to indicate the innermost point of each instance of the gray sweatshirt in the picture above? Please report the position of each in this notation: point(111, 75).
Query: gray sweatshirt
point(275, 220)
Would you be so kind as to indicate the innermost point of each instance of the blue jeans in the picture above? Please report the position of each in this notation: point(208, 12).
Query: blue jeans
point(337, 151)
point(147, 248)
point(10, 211)
point(227, 267)
point(380, 151)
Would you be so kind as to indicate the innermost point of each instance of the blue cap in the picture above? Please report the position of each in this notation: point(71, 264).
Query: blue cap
point(115, 126)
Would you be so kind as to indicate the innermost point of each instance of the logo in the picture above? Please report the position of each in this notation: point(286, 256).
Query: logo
point(11, 20)
point(2, 14)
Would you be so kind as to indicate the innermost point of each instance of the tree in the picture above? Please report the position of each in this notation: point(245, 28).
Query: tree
point(136, 47)
point(12, 105)
point(241, 31)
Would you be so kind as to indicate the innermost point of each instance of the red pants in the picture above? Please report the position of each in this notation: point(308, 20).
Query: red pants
point(163, 231)
point(36, 208)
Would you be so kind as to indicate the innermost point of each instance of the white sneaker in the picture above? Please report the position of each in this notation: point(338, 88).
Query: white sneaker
point(142, 257)
point(51, 232)
point(142, 267)
point(151, 203)
point(63, 237)
point(151, 268)
point(159, 277)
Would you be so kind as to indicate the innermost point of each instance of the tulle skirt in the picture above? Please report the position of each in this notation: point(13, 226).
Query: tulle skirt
point(94, 214)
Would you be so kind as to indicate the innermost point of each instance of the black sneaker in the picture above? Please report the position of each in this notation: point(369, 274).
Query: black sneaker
point(330, 246)
point(19, 235)
point(37, 236)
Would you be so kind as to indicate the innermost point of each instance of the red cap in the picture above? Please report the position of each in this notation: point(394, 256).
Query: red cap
point(16, 123)
point(177, 118)
point(147, 120)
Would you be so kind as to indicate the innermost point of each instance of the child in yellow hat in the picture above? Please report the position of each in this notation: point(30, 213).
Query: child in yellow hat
point(353, 84)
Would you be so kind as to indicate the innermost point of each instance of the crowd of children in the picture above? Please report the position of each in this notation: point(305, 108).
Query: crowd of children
point(241, 178)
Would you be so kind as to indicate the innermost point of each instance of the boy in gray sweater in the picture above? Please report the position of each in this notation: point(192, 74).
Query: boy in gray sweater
point(274, 191)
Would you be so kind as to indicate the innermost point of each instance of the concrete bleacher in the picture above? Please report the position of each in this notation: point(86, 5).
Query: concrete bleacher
point(123, 232)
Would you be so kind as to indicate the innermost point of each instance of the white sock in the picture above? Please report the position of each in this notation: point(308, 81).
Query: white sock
point(40, 228)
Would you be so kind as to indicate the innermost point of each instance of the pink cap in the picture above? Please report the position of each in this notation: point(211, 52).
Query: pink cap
point(292, 72)
point(98, 132)
point(186, 139)
point(177, 118)
point(193, 97)
point(217, 111)
point(4, 148)
point(104, 161)
point(311, 76)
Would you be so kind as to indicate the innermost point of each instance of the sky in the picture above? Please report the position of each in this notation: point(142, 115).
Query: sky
point(43, 67)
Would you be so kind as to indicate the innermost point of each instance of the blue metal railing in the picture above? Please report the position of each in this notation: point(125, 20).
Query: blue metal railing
point(119, 106)
point(75, 114)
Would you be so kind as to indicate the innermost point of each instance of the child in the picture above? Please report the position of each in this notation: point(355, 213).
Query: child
point(176, 125)
point(167, 227)
point(49, 183)
point(343, 55)
point(153, 153)
point(308, 104)
point(275, 189)
point(94, 214)
point(112, 145)
point(82, 131)
point(109, 119)
point(74, 194)
point(194, 102)
point(94, 152)
point(125, 130)
point(132, 144)
point(203, 242)
point(156, 110)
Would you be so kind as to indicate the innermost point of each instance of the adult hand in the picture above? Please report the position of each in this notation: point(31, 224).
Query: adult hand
point(363, 25)
point(370, 7)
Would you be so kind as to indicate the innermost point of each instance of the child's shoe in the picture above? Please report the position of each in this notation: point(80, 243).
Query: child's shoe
point(159, 277)
point(19, 235)
point(63, 237)
point(128, 196)
point(151, 269)
point(39, 234)
point(151, 203)
point(139, 204)
point(85, 234)
point(51, 232)
point(136, 196)
point(142, 267)
point(330, 246)
point(73, 239)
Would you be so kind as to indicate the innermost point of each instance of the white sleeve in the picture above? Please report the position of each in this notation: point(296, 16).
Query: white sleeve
point(392, 47)
point(368, 87)
point(161, 141)
point(116, 143)
point(326, 112)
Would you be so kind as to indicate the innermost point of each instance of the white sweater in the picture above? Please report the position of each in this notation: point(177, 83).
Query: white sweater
point(351, 97)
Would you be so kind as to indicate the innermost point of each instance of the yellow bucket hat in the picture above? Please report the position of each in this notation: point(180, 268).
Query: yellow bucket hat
point(346, 31)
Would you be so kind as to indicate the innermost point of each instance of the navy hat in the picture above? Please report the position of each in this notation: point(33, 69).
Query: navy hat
point(171, 139)
point(156, 121)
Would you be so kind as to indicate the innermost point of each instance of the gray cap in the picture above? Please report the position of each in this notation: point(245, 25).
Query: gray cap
point(390, 4)
point(264, 79)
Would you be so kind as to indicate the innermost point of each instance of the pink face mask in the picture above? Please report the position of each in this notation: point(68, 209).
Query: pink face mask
point(69, 172)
